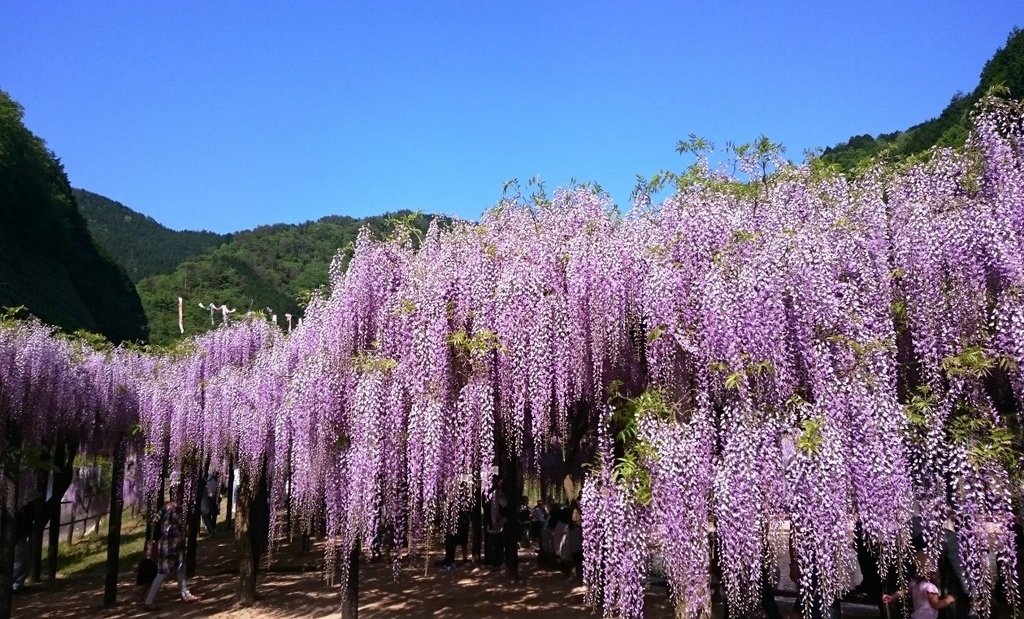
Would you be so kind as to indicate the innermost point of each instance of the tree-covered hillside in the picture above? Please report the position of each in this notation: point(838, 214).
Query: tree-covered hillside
point(138, 242)
point(269, 266)
point(1004, 73)
point(48, 261)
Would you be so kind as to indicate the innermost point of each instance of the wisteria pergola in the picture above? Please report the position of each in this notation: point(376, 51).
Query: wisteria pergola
point(834, 351)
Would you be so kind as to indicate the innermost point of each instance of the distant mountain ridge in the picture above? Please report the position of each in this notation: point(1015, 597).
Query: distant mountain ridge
point(138, 242)
point(1004, 72)
point(268, 267)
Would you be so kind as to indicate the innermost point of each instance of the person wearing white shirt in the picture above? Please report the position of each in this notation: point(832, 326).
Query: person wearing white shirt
point(926, 597)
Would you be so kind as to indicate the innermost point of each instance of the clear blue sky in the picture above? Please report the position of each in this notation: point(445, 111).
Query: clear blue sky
point(224, 116)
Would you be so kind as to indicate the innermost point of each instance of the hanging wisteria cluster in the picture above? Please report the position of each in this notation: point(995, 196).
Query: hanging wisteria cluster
point(803, 348)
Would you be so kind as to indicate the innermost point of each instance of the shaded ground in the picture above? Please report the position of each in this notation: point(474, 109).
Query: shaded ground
point(293, 587)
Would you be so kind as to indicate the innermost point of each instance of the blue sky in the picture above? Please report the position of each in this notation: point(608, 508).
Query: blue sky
point(225, 115)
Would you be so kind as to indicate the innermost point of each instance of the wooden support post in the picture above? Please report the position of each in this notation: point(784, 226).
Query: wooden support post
point(8, 513)
point(71, 525)
point(231, 489)
point(350, 599)
point(64, 458)
point(477, 518)
point(246, 595)
point(114, 526)
point(7, 525)
point(513, 494)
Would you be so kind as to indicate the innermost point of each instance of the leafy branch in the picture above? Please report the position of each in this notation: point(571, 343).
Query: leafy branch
point(364, 362)
point(975, 362)
point(632, 470)
point(811, 436)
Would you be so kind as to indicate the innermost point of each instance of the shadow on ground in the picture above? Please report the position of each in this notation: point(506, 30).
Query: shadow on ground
point(293, 587)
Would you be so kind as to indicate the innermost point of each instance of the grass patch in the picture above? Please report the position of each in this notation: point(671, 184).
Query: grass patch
point(89, 554)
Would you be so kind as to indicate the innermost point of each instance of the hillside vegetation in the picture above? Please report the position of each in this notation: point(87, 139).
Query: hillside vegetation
point(138, 242)
point(269, 266)
point(1002, 74)
point(48, 261)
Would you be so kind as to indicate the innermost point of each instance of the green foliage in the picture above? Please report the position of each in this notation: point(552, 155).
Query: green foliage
point(10, 316)
point(48, 260)
point(26, 458)
point(975, 362)
point(305, 296)
point(761, 154)
point(920, 403)
point(138, 242)
point(279, 266)
point(862, 351)
point(473, 348)
point(811, 436)
point(365, 362)
point(1003, 75)
point(751, 370)
point(94, 341)
point(984, 440)
point(696, 145)
point(406, 222)
point(656, 333)
point(632, 470)
point(899, 313)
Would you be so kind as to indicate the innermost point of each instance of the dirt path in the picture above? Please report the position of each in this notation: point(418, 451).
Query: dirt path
point(293, 587)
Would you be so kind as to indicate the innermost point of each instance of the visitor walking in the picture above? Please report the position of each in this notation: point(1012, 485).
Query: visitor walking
point(538, 518)
point(925, 596)
point(171, 553)
point(524, 522)
point(496, 511)
point(210, 504)
point(456, 538)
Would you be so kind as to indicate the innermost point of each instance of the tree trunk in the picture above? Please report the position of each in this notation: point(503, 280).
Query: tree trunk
point(164, 472)
point(259, 520)
point(246, 565)
point(193, 521)
point(114, 527)
point(288, 495)
point(513, 490)
point(35, 547)
point(8, 523)
point(477, 519)
point(64, 458)
point(513, 493)
point(350, 600)
point(231, 488)
point(679, 611)
point(199, 490)
point(52, 546)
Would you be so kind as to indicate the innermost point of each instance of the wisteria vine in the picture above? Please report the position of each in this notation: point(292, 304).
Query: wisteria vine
point(803, 347)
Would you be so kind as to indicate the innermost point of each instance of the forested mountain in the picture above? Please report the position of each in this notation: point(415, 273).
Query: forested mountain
point(1004, 72)
point(269, 266)
point(48, 261)
point(138, 242)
